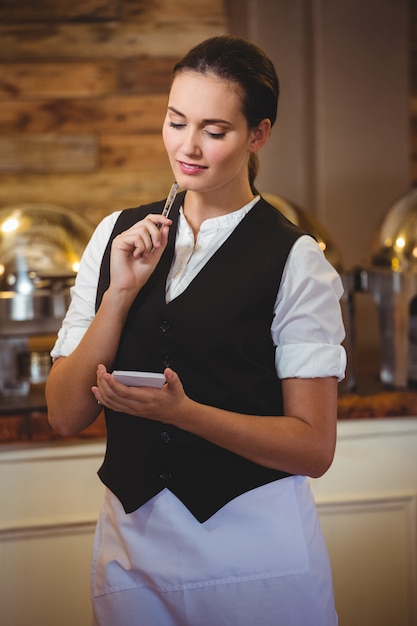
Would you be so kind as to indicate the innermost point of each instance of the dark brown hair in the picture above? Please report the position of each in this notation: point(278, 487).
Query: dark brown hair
point(243, 63)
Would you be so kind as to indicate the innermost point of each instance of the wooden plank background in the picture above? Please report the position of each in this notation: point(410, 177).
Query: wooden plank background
point(83, 86)
point(83, 89)
point(413, 90)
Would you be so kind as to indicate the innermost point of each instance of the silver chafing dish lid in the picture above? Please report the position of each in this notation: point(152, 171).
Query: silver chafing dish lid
point(394, 245)
point(40, 250)
point(310, 224)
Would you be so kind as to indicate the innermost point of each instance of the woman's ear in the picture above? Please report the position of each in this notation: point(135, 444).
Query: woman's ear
point(260, 135)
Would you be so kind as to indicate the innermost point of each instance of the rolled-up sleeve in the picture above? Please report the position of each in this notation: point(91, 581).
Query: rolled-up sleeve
point(307, 328)
point(83, 294)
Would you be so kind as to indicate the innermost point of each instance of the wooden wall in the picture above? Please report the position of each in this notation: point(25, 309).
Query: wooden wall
point(83, 88)
point(413, 89)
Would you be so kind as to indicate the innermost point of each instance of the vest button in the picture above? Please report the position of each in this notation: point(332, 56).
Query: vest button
point(165, 326)
point(165, 476)
point(166, 437)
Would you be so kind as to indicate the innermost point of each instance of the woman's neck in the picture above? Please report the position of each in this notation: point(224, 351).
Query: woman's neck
point(200, 207)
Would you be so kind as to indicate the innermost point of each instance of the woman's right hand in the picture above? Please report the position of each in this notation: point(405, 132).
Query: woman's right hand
point(136, 252)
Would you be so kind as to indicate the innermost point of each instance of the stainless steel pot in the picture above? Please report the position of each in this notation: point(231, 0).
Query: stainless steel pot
point(391, 277)
point(40, 250)
point(310, 224)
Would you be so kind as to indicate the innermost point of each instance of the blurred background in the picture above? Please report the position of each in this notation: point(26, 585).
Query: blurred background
point(83, 92)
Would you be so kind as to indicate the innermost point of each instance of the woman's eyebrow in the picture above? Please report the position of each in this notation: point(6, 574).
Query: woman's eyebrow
point(205, 121)
point(174, 110)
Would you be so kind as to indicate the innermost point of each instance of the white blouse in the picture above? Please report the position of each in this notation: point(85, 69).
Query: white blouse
point(310, 291)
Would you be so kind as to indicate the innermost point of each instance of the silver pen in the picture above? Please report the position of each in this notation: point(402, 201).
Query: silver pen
point(170, 200)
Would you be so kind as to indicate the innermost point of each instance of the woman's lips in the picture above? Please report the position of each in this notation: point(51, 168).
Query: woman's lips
point(191, 168)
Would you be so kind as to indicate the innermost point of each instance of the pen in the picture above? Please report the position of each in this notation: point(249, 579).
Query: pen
point(170, 200)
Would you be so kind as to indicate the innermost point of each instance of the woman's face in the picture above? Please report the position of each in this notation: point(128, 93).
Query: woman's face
point(206, 134)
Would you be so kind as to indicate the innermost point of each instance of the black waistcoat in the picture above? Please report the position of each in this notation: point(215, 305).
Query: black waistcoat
point(216, 336)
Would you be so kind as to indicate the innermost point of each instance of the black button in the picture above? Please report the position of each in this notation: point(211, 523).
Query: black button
point(167, 362)
point(165, 476)
point(165, 326)
point(166, 437)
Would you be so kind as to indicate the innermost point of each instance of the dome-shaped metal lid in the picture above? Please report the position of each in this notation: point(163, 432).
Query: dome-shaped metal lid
point(310, 224)
point(40, 244)
point(394, 245)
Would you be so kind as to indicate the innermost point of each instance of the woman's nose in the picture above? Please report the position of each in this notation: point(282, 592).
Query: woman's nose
point(191, 144)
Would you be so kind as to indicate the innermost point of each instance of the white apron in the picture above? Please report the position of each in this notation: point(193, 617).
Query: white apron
point(261, 560)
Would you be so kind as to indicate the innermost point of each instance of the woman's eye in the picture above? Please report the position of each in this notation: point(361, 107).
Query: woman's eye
point(178, 126)
point(174, 125)
point(216, 135)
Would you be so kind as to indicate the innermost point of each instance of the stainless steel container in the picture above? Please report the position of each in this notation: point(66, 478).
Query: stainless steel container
point(391, 277)
point(40, 251)
point(310, 224)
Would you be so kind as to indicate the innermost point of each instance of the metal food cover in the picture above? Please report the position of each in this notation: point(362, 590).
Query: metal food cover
point(40, 250)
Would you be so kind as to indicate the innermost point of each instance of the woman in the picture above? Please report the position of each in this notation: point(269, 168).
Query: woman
point(208, 518)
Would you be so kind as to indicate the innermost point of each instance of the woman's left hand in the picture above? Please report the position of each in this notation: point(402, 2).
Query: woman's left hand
point(161, 404)
point(301, 441)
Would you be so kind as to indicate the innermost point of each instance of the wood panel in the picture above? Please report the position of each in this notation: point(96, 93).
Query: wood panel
point(13, 11)
point(57, 80)
point(112, 40)
point(52, 153)
point(144, 74)
point(48, 153)
point(115, 114)
point(413, 90)
point(83, 92)
point(178, 12)
point(133, 153)
point(91, 195)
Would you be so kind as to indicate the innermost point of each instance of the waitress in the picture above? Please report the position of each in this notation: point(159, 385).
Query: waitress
point(208, 517)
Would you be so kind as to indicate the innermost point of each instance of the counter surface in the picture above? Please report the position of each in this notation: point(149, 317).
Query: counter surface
point(25, 419)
